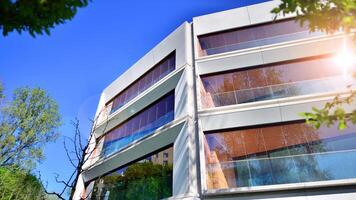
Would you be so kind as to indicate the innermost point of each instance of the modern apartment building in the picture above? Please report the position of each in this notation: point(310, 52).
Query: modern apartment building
point(212, 112)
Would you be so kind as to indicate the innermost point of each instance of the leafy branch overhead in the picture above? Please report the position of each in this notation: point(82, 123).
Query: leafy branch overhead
point(333, 113)
point(36, 16)
point(328, 16)
point(325, 15)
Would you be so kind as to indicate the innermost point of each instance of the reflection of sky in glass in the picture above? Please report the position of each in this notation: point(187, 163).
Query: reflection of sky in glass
point(272, 82)
point(280, 154)
point(141, 125)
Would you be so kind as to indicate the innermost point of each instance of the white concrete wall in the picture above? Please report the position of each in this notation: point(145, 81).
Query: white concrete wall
point(236, 18)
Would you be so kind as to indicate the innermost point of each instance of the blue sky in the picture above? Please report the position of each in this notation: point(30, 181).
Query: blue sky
point(83, 56)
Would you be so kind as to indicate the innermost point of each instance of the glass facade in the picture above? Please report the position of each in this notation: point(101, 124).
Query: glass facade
point(159, 71)
point(149, 178)
point(299, 77)
point(279, 154)
point(253, 36)
point(140, 125)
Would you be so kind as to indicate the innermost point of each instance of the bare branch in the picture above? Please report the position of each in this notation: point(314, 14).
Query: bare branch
point(82, 152)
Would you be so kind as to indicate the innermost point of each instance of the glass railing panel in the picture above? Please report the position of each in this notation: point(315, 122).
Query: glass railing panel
point(120, 143)
point(272, 82)
point(279, 154)
point(254, 36)
point(140, 125)
point(276, 91)
point(285, 170)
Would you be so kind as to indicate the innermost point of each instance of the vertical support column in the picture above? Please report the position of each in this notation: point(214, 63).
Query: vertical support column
point(186, 164)
point(185, 177)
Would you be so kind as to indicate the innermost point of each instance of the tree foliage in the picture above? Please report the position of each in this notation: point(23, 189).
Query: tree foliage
point(36, 16)
point(18, 184)
point(333, 113)
point(27, 123)
point(328, 16)
point(1, 91)
point(144, 180)
point(325, 15)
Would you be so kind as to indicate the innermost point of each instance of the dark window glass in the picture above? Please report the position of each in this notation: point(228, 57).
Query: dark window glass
point(299, 77)
point(279, 154)
point(163, 68)
point(253, 36)
point(140, 125)
point(149, 178)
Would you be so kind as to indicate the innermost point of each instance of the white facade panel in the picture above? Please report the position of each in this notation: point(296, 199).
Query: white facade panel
point(241, 118)
point(332, 196)
point(301, 50)
point(229, 62)
point(221, 21)
point(261, 13)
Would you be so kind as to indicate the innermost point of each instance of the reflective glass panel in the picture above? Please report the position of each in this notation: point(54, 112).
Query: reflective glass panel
point(149, 178)
point(279, 154)
point(140, 125)
point(253, 36)
point(293, 78)
point(159, 71)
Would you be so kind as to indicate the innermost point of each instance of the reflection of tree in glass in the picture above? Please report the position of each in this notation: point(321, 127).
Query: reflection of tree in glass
point(139, 181)
point(249, 85)
point(291, 168)
point(276, 77)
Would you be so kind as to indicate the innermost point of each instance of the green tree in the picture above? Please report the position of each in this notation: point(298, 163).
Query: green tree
point(18, 184)
point(1, 91)
point(36, 16)
point(325, 15)
point(328, 16)
point(139, 181)
point(27, 123)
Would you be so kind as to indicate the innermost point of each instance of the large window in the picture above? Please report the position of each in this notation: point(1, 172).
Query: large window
point(279, 154)
point(149, 178)
point(159, 71)
point(253, 36)
point(299, 77)
point(140, 125)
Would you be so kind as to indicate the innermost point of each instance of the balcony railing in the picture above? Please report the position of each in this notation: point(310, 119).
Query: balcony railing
point(260, 42)
point(118, 144)
point(283, 170)
point(277, 91)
